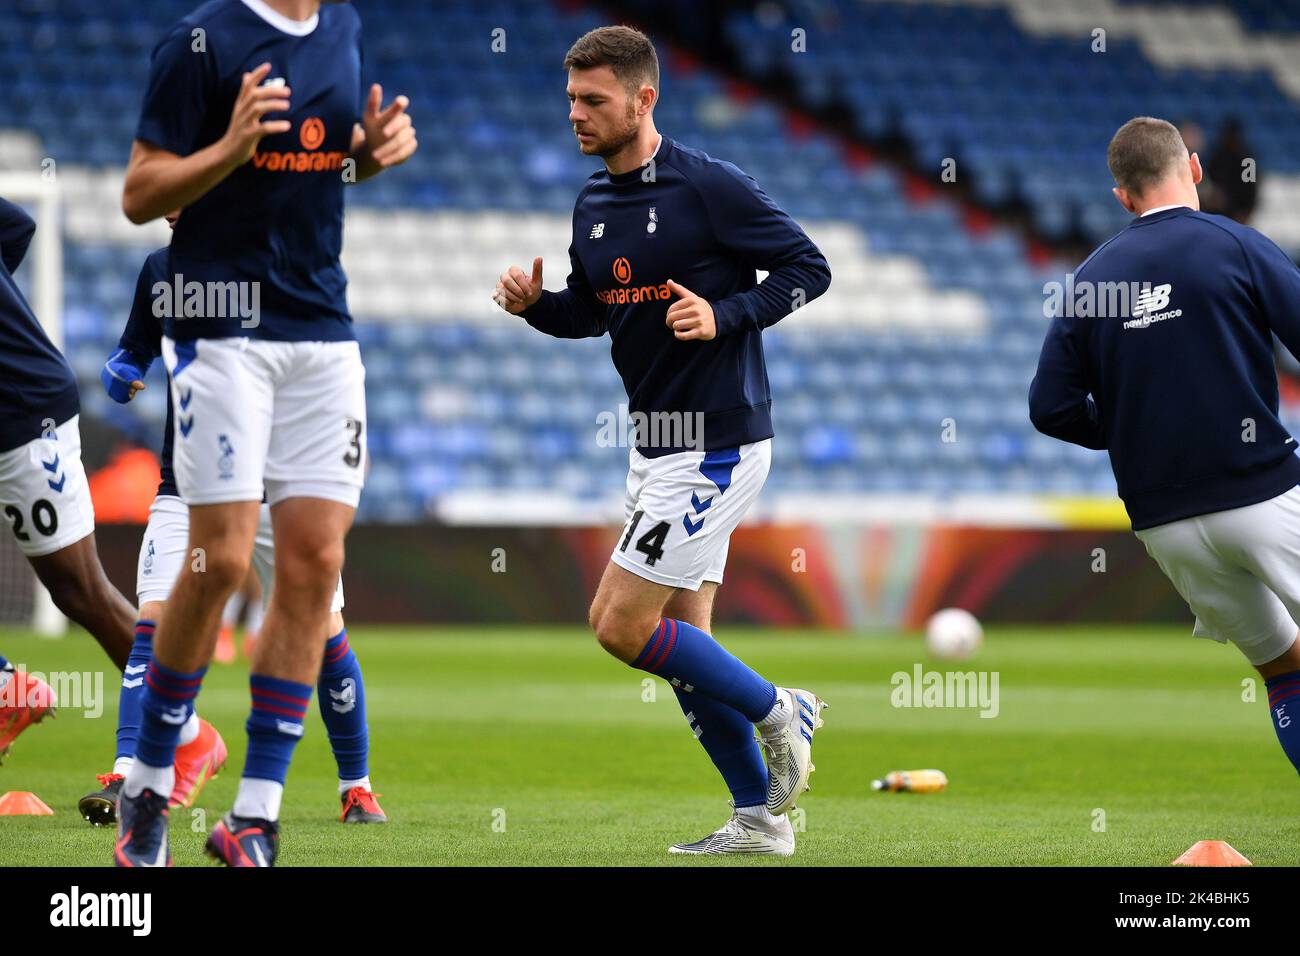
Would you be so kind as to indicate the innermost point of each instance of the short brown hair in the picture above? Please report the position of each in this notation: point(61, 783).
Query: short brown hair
point(1143, 151)
point(628, 52)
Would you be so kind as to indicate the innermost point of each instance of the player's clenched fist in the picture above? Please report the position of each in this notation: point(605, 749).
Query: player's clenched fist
point(516, 290)
point(690, 317)
point(247, 126)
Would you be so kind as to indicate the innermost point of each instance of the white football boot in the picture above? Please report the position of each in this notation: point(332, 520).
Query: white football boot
point(744, 833)
point(788, 745)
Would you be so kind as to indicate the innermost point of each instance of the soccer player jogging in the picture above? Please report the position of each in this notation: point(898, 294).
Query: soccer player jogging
point(666, 241)
point(1166, 361)
point(252, 123)
point(43, 491)
point(201, 752)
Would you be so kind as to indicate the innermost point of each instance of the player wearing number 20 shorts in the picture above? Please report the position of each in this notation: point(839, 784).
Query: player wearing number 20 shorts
point(254, 135)
point(665, 246)
point(44, 496)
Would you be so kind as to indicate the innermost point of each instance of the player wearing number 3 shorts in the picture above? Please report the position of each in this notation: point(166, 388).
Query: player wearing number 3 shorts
point(43, 492)
point(164, 549)
point(666, 242)
point(254, 135)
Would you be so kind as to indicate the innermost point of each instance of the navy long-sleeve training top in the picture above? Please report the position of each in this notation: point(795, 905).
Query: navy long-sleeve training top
point(275, 224)
point(708, 226)
point(142, 341)
point(1179, 386)
point(36, 382)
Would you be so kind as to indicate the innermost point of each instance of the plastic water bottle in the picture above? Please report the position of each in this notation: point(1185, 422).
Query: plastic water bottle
point(912, 781)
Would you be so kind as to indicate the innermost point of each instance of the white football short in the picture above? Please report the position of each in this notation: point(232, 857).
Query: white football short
point(249, 414)
point(1239, 571)
point(682, 508)
point(166, 547)
point(43, 491)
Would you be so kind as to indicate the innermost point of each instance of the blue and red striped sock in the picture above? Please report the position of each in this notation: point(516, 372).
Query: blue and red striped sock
point(1284, 707)
point(342, 699)
point(274, 729)
point(165, 706)
point(166, 702)
point(683, 654)
point(727, 736)
point(129, 697)
point(274, 726)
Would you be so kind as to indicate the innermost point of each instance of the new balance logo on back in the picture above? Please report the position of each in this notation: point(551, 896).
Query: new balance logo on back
point(1152, 300)
point(1150, 305)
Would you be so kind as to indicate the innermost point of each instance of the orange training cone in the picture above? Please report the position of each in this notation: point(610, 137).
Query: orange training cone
point(23, 803)
point(1211, 853)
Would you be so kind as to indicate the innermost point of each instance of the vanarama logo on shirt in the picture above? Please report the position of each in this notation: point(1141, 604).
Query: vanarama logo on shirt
point(311, 134)
point(629, 292)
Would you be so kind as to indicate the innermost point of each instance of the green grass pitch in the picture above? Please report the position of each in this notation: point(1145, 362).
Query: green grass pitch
point(531, 746)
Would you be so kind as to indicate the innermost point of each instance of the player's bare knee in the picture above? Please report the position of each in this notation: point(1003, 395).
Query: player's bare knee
point(314, 560)
point(306, 574)
point(606, 633)
point(614, 638)
point(219, 570)
point(622, 632)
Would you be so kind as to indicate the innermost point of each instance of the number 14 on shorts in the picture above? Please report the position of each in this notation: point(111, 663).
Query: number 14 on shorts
point(651, 544)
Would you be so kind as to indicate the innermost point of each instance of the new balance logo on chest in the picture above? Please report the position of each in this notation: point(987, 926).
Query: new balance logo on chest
point(597, 231)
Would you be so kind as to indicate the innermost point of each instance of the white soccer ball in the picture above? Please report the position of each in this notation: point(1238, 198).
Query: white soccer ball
point(953, 634)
